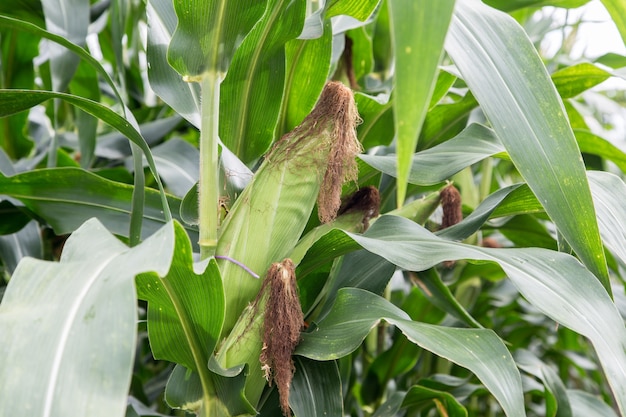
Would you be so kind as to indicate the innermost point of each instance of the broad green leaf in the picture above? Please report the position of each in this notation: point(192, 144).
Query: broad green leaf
point(554, 282)
point(357, 311)
point(316, 389)
point(66, 197)
point(308, 65)
point(165, 81)
point(617, 10)
point(250, 99)
point(505, 73)
point(419, 29)
point(86, 309)
point(13, 101)
point(185, 313)
point(185, 309)
point(208, 33)
point(575, 79)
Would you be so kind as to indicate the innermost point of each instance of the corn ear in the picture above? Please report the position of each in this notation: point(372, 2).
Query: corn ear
point(268, 218)
point(266, 221)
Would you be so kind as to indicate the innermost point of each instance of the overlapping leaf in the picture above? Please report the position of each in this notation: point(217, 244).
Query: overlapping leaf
point(507, 77)
point(85, 311)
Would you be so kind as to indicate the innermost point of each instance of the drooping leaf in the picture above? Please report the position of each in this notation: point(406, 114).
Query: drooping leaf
point(441, 162)
point(505, 73)
point(554, 282)
point(185, 313)
point(24, 26)
point(185, 309)
point(67, 197)
point(13, 101)
point(357, 311)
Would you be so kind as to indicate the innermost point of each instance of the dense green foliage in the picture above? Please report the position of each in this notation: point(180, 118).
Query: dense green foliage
point(145, 195)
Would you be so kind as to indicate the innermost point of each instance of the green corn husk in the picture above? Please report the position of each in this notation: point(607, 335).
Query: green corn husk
point(263, 226)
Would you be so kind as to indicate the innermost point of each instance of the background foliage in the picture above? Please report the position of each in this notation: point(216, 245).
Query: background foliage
point(113, 110)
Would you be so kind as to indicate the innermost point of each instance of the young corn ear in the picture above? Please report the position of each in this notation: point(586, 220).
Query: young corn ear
point(266, 221)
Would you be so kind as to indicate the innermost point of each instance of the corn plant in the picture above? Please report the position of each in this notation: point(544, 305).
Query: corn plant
point(269, 207)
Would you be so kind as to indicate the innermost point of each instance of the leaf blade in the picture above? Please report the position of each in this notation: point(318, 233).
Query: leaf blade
point(521, 102)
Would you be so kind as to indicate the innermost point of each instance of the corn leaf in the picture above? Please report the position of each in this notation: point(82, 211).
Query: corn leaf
point(208, 33)
point(252, 90)
point(84, 307)
point(67, 197)
point(507, 77)
point(418, 31)
point(356, 312)
point(555, 283)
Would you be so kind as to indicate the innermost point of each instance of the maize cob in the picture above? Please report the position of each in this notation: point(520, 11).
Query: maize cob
point(267, 220)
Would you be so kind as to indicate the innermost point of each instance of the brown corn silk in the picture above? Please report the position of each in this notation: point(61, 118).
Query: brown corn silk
point(452, 212)
point(282, 326)
point(333, 119)
point(451, 205)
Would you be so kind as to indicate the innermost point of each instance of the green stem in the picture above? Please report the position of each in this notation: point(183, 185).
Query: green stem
point(209, 178)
